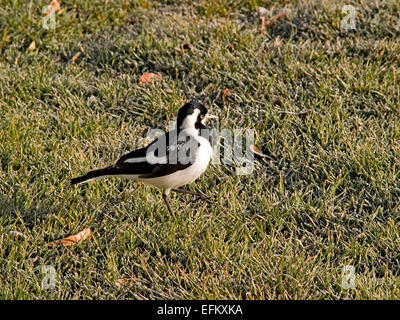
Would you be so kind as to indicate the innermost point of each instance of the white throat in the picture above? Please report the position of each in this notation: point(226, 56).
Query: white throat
point(189, 121)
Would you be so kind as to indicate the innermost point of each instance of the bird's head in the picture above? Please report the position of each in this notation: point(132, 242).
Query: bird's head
point(193, 115)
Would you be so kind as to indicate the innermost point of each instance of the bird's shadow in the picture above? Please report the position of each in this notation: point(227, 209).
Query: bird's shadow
point(22, 217)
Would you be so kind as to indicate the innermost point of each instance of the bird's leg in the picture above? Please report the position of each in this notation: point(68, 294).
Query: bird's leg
point(198, 194)
point(167, 203)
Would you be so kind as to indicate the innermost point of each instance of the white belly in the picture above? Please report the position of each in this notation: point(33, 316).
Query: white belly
point(188, 175)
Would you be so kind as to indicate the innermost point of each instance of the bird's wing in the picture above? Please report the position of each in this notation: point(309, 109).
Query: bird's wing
point(165, 169)
point(134, 163)
point(170, 166)
point(137, 161)
point(135, 156)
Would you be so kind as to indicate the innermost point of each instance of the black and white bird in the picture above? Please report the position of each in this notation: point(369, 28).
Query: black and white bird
point(174, 159)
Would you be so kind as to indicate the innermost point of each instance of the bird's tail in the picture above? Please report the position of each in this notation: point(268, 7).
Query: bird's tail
point(93, 175)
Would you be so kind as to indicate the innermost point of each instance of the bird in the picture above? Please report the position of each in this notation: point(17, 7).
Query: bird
point(174, 159)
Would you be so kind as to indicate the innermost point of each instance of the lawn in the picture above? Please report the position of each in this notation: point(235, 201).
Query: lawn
point(323, 102)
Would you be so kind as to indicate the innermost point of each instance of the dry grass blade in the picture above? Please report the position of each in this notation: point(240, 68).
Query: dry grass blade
point(76, 56)
point(276, 18)
point(262, 23)
point(258, 152)
point(300, 113)
point(16, 234)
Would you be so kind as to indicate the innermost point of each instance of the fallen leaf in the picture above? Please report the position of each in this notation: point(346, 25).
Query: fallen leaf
point(53, 6)
point(148, 77)
point(56, 6)
point(71, 240)
point(32, 46)
point(226, 93)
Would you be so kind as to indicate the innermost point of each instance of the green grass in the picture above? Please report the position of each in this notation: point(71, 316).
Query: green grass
point(329, 197)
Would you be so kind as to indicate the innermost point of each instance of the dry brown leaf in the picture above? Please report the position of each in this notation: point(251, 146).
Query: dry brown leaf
point(226, 93)
point(32, 46)
point(71, 240)
point(275, 18)
point(148, 77)
point(56, 6)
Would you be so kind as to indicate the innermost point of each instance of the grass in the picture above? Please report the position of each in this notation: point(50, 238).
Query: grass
point(329, 196)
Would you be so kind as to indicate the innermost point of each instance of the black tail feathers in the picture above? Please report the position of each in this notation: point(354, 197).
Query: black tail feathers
point(92, 175)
